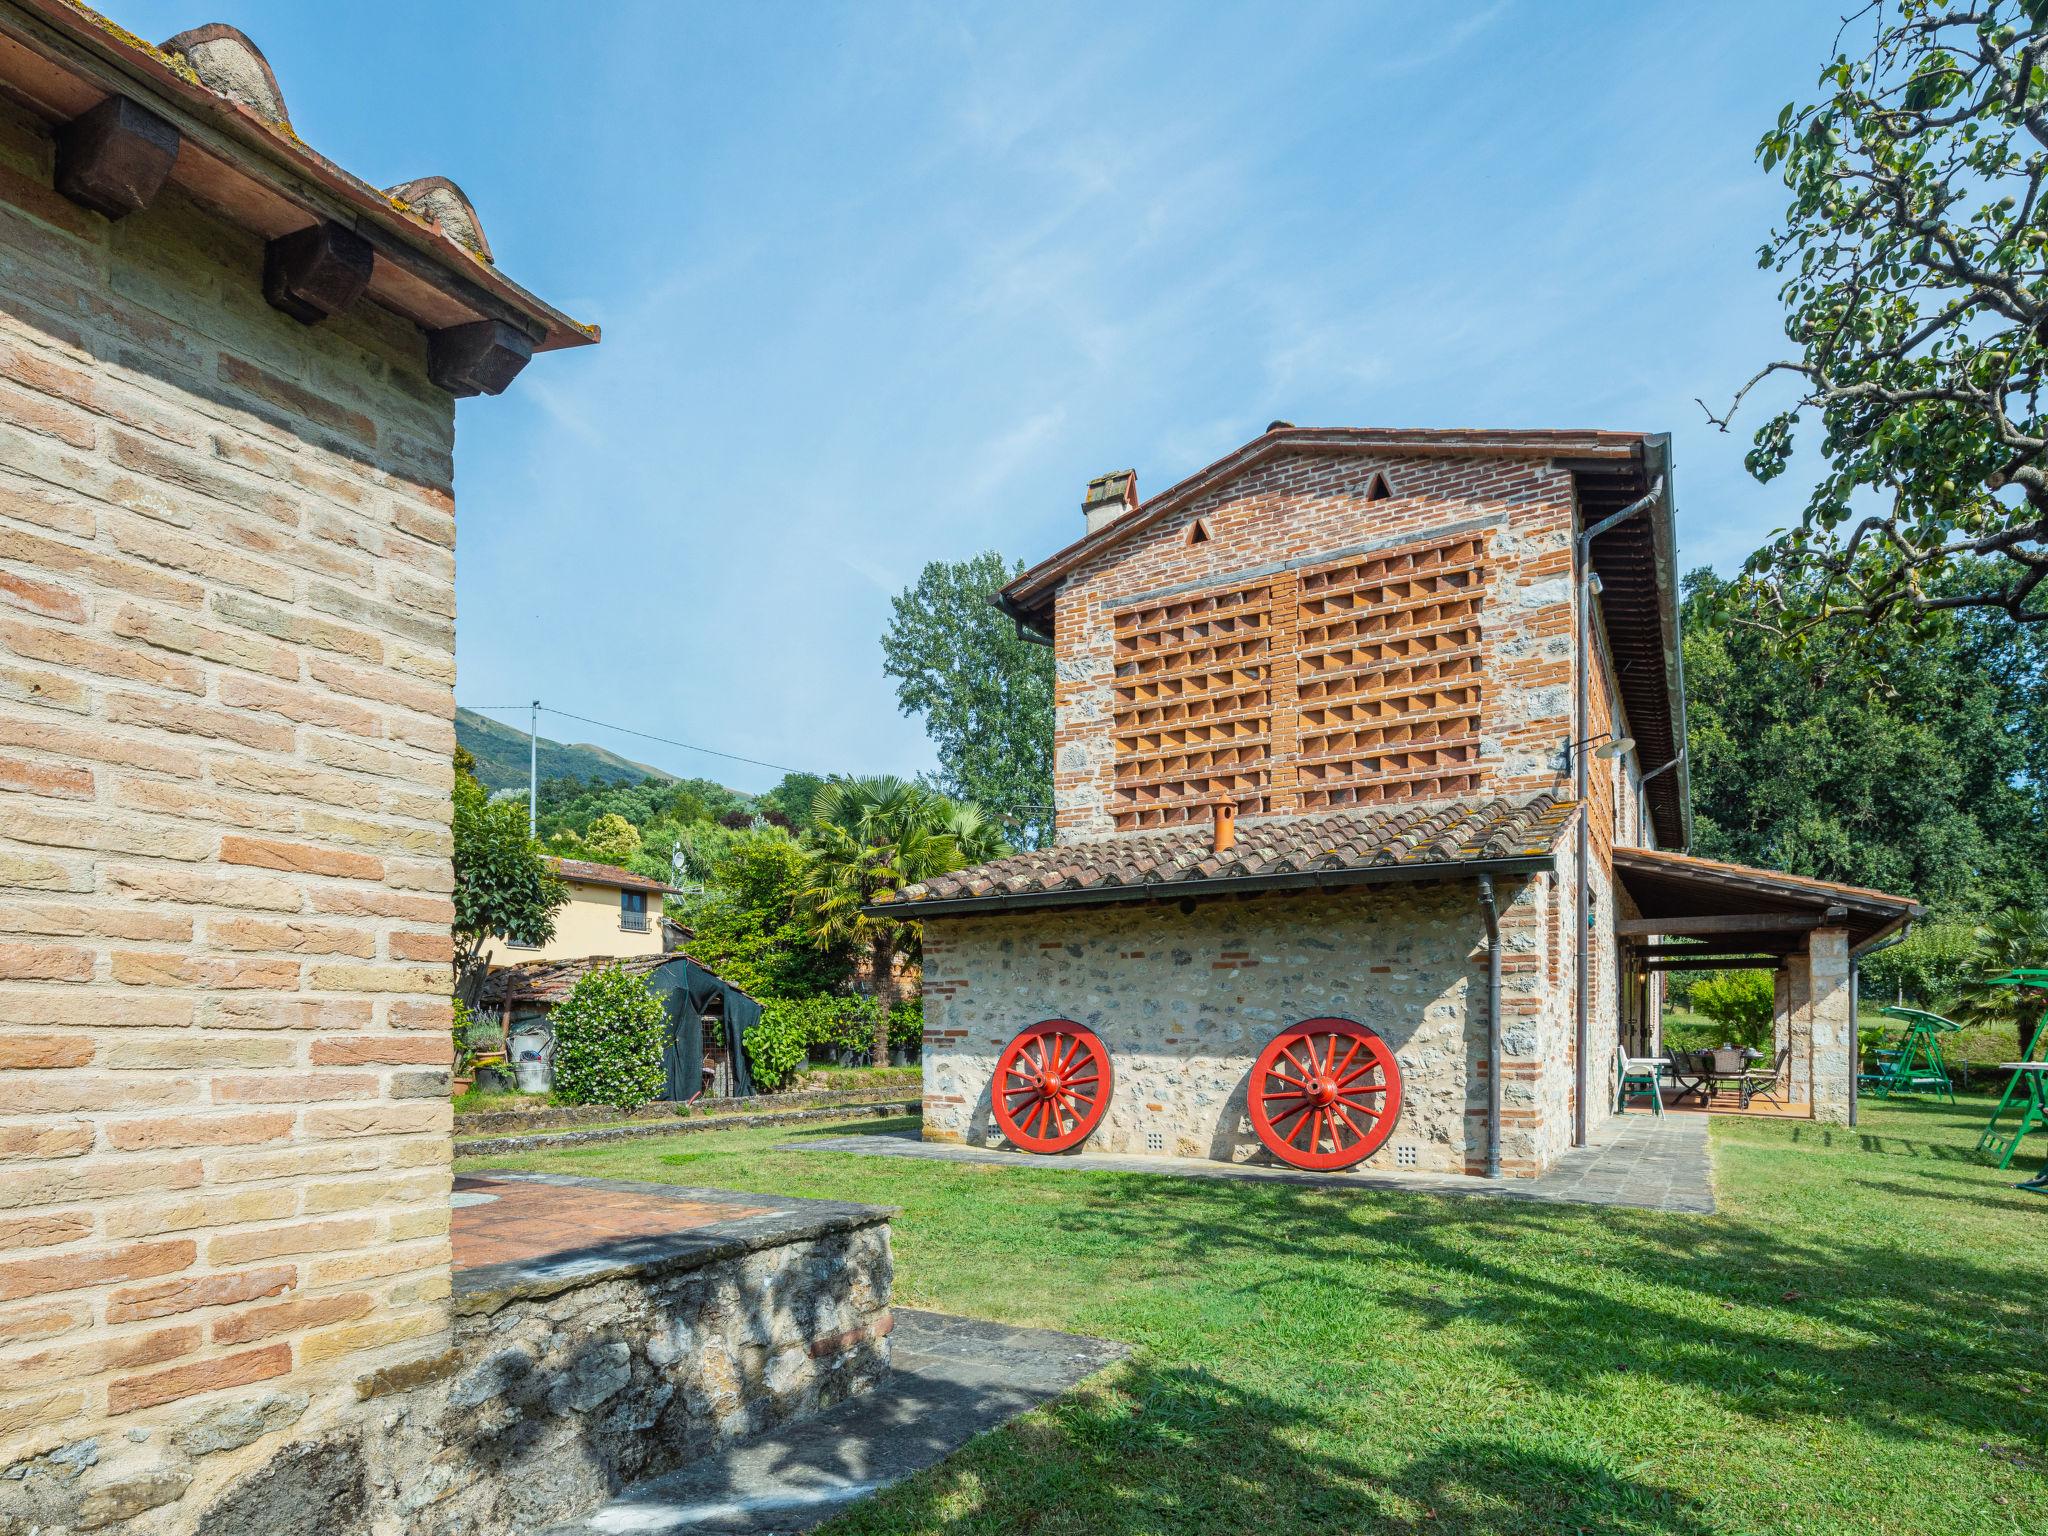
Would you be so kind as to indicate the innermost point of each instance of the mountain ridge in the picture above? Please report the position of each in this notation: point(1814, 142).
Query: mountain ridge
point(501, 754)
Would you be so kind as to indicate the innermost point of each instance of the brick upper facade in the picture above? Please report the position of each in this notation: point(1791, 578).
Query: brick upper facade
point(1325, 630)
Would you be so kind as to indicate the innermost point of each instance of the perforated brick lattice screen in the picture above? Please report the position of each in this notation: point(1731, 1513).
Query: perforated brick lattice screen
point(1389, 687)
point(1194, 706)
point(1353, 683)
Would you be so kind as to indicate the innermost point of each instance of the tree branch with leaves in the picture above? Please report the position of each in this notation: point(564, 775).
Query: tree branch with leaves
point(505, 888)
point(1915, 259)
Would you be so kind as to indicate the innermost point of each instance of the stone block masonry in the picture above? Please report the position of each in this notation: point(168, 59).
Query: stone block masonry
point(564, 1381)
point(226, 713)
point(1185, 1001)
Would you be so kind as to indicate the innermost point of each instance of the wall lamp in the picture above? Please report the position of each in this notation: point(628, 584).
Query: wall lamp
point(1612, 747)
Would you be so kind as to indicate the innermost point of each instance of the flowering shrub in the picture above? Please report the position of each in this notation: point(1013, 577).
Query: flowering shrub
point(609, 1035)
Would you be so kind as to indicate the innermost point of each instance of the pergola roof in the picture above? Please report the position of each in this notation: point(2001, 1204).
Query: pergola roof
point(1734, 909)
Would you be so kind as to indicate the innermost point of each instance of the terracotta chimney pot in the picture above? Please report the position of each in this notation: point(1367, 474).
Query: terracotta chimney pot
point(1226, 827)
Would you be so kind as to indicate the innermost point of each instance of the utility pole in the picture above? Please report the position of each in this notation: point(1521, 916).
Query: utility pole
point(533, 774)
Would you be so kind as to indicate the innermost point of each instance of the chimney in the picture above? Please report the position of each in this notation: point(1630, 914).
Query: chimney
point(1109, 497)
point(1226, 826)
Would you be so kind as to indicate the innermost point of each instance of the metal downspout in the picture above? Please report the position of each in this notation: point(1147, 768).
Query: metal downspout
point(1583, 580)
point(1490, 907)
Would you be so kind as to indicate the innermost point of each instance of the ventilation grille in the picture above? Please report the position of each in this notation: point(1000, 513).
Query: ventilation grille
point(1389, 681)
point(1194, 707)
point(1155, 1141)
point(1407, 1155)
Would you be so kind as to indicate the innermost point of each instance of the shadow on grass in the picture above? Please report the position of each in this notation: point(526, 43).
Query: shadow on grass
point(1180, 1449)
point(1824, 1315)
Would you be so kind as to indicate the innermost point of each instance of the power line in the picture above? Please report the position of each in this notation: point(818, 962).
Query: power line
point(627, 730)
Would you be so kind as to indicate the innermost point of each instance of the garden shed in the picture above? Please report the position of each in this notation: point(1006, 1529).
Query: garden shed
point(708, 1016)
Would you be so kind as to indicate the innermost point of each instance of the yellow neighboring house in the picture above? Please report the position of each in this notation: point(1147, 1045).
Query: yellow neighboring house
point(611, 911)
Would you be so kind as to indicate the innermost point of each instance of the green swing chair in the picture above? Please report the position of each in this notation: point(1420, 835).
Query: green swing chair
point(1916, 1061)
point(2026, 1092)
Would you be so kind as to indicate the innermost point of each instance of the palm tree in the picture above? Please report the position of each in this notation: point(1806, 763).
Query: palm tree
point(871, 836)
point(2016, 937)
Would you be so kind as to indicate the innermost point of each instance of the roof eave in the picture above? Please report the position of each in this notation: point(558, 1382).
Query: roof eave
point(1029, 597)
point(1664, 542)
point(1247, 885)
point(86, 58)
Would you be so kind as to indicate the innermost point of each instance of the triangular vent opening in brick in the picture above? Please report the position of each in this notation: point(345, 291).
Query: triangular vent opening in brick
point(1199, 532)
point(1378, 489)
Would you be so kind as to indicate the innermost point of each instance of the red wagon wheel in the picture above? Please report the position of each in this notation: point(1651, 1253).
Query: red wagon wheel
point(1325, 1093)
point(1052, 1085)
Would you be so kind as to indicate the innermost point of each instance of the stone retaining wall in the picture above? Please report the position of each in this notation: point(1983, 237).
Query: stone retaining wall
point(491, 1146)
point(569, 1116)
point(556, 1393)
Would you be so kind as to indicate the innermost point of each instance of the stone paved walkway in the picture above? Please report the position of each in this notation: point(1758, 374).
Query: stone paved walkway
point(951, 1378)
point(1654, 1163)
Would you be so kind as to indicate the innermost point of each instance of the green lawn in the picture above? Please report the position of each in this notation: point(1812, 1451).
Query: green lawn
point(1854, 1344)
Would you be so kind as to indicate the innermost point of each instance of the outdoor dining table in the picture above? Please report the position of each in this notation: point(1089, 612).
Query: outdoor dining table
point(1704, 1077)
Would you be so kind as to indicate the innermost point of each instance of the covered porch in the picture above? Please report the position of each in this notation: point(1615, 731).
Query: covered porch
point(1699, 914)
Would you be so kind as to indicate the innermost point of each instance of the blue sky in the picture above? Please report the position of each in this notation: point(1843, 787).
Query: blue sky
point(883, 283)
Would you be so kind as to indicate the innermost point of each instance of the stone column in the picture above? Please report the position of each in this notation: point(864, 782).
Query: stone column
point(1832, 1030)
point(1796, 983)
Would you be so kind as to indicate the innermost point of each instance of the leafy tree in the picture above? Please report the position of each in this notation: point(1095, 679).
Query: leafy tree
point(1915, 254)
point(1899, 767)
point(791, 799)
point(609, 1035)
point(875, 835)
point(1739, 1001)
point(2016, 937)
point(504, 886)
point(1930, 969)
point(611, 839)
point(753, 925)
point(984, 691)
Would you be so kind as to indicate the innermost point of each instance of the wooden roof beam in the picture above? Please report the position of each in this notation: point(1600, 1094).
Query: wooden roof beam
point(1726, 922)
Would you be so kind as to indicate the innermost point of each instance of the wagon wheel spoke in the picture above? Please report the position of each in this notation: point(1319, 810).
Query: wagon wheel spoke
point(1324, 1094)
point(1296, 1114)
point(1052, 1086)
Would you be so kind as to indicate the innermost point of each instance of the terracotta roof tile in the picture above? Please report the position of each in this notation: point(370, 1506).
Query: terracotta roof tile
point(1352, 844)
point(606, 874)
point(550, 981)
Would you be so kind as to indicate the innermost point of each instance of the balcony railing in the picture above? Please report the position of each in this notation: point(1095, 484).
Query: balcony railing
point(633, 922)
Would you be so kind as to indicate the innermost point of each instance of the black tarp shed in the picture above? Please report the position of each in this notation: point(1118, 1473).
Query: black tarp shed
point(687, 990)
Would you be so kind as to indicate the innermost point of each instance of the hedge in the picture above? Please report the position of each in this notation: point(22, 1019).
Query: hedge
point(780, 1045)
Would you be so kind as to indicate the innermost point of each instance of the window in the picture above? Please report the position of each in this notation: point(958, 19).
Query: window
point(633, 911)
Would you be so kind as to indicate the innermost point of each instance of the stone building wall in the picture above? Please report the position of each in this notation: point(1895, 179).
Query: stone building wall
point(226, 669)
point(1184, 1002)
point(1302, 509)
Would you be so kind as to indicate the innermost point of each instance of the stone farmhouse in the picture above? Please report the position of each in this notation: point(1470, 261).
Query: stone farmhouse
point(235, 1292)
point(1372, 810)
